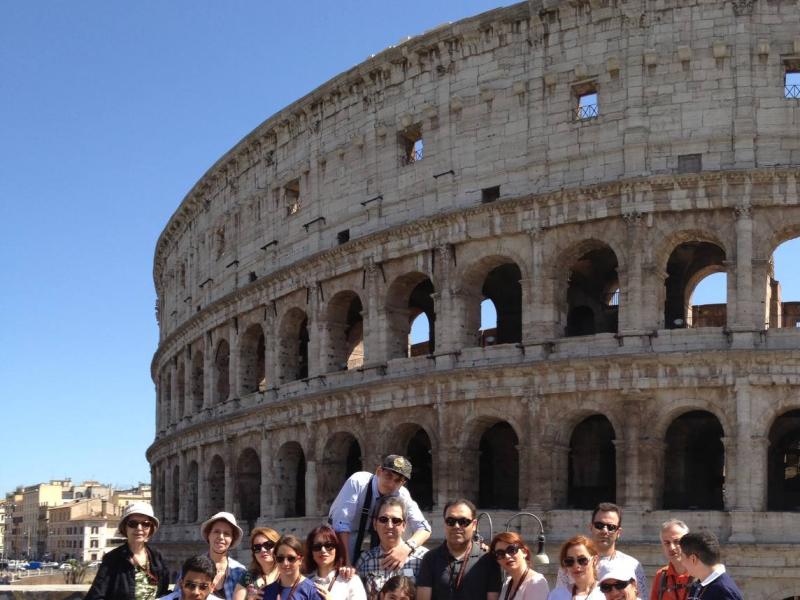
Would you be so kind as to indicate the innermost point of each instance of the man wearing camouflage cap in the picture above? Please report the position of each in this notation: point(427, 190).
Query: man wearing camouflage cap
point(351, 511)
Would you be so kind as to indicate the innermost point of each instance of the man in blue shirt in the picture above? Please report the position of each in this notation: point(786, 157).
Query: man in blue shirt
point(700, 555)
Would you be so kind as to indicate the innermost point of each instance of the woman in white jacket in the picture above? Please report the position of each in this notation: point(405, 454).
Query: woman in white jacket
point(578, 559)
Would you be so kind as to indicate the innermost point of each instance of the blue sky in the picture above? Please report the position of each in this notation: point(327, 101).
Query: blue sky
point(109, 113)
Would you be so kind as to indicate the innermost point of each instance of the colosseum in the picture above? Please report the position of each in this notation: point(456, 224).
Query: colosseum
point(580, 166)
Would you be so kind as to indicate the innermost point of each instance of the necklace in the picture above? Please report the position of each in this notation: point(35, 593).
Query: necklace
point(462, 571)
point(575, 590)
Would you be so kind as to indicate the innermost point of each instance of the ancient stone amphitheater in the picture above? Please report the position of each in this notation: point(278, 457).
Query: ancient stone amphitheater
point(580, 165)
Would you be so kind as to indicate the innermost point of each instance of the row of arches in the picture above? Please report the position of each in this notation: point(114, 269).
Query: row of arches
point(592, 303)
point(693, 476)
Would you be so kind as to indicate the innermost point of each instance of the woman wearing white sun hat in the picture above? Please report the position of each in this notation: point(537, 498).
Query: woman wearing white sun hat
point(222, 534)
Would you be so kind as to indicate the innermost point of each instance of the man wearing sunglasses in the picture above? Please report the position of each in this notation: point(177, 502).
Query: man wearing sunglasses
point(196, 581)
point(671, 582)
point(618, 582)
point(459, 569)
point(351, 511)
point(605, 528)
point(390, 525)
point(700, 556)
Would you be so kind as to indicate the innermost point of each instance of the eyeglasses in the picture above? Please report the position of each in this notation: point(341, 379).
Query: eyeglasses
point(509, 551)
point(265, 546)
point(289, 559)
point(133, 524)
point(599, 525)
point(191, 586)
point(460, 521)
point(327, 546)
point(570, 561)
point(619, 585)
point(394, 520)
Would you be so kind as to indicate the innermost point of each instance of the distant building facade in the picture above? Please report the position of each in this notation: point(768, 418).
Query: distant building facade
point(84, 530)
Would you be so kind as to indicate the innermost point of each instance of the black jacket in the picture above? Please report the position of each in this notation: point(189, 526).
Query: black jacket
point(114, 579)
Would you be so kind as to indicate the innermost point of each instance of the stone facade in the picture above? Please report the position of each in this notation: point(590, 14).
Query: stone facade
point(582, 165)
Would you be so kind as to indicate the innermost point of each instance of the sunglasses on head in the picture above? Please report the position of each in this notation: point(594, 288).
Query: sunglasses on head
point(610, 526)
point(133, 524)
point(191, 586)
point(289, 559)
point(264, 546)
point(327, 546)
point(460, 521)
point(619, 585)
point(509, 551)
point(394, 520)
point(570, 561)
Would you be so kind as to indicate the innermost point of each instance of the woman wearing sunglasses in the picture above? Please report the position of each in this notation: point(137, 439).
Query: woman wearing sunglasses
point(323, 564)
point(522, 583)
point(262, 569)
point(134, 570)
point(578, 558)
point(618, 582)
point(290, 584)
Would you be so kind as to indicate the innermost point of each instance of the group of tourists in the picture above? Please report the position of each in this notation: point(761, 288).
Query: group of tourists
point(376, 509)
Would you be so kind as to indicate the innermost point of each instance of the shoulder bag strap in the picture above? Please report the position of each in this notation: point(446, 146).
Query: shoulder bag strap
point(362, 523)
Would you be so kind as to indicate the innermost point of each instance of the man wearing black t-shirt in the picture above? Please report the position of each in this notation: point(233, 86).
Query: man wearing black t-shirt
point(459, 569)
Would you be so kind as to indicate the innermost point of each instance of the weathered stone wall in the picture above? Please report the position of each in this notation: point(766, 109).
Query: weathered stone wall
point(690, 167)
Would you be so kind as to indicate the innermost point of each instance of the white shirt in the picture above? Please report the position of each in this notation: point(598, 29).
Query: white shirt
point(351, 589)
point(562, 593)
point(716, 572)
point(533, 588)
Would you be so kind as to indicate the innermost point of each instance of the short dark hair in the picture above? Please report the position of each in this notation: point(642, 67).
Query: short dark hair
point(328, 535)
point(608, 507)
point(458, 501)
point(199, 563)
point(703, 544)
point(389, 501)
point(400, 584)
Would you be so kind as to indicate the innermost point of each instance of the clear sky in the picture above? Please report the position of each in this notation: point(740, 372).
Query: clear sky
point(109, 113)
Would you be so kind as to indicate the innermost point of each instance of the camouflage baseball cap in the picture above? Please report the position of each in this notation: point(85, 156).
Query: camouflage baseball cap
point(399, 464)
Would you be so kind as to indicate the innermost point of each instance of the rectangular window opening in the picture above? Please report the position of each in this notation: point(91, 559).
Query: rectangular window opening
point(343, 237)
point(791, 85)
point(291, 196)
point(412, 145)
point(587, 106)
point(690, 163)
point(490, 194)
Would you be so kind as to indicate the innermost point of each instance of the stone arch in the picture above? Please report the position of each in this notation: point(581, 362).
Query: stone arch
point(689, 262)
point(342, 456)
point(216, 485)
point(781, 312)
point(495, 278)
point(197, 382)
point(290, 477)
point(694, 474)
point(783, 462)
point(588, 279)
point(191, 492)
point(409, 296)
point(670, 411)
point(176, 494)
point(181, 389)
point(592, 463)
point(252, 360)
point(293, 339)
point(415, 442)
point(222, 384)
point(345, 332)
point(248, 486)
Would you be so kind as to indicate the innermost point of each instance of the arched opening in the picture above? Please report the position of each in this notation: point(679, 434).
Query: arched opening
point(593, 293)
point(290, 474)
point(176, 494)
point(783, 463)
point(410, 296)
point(592, 476)
point(248, 486)
point(783, 286)
point(688, 265)
point(197, 382)
point(222, 358)
point(420, 454)
point(498, 478)
point(488, 329)
point(252, 363)
point(341, 458)
point(181, 390)
point(191, 492)
point(694, 465)
point(293, 346)
point(502, 287)
point(345, 332)
point(216, 485)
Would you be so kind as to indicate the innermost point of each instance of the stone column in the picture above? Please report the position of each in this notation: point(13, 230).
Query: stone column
point(267, 509)
point(182, 468)
point(449, 325)
point(651, 457)
point(233, 360)
point(202, 484)
point(230, 469)
point(314, 342)
point(311, 488)
point(745, 307)
point(173, 416)
point(169, 493)
point(374, 314)
point(270, 345)
point(208, 371)
point(630, 287)
point(542, 319)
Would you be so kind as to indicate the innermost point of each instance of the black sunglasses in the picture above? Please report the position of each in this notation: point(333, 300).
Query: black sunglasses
point(395, 520)
point(600, 526)
point(327, 546)
point(620, 585)
point(133, 524)
point(460, 521)
point(509, 550)
point(290, 559)
point(570, 561)
point(265, 546)
point(191, 586)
